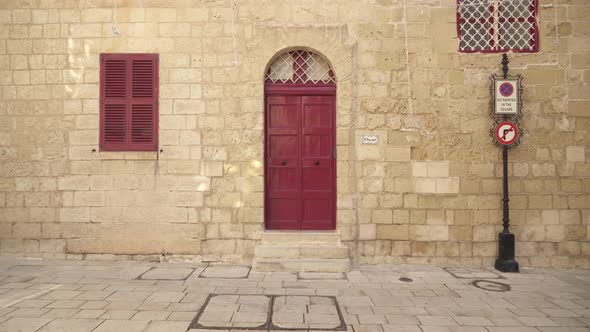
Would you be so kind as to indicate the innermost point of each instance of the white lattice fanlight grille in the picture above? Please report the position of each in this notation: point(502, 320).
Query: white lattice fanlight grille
point(497, 25)
point(300, 67)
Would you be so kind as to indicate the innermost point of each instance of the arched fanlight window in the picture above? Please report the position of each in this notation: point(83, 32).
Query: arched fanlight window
point(300, 67)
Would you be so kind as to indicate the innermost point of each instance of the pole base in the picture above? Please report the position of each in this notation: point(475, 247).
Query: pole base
point(506, 261)
point(507, 265)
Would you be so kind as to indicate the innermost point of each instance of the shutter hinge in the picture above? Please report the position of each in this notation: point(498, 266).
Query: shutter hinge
point(334, 153)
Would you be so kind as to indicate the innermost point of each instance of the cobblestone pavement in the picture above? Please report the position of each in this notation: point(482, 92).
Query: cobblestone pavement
point(43, 295)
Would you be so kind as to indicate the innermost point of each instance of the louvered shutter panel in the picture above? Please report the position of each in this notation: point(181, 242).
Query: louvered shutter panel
point(113, 105)
point(143, 101)
point(129, 102)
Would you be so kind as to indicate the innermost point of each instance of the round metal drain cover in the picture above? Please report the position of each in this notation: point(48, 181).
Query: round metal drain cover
point(405, 279)
point(492, 286)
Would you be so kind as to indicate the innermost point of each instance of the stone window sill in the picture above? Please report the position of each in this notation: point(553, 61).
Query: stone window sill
point(127, 155)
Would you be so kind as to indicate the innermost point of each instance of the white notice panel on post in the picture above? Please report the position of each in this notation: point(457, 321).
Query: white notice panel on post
point(506, 97)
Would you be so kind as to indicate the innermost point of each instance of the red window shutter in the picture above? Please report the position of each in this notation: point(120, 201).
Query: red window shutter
point(129, 102)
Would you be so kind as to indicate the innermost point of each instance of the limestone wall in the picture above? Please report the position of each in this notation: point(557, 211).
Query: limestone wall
point(428, 192)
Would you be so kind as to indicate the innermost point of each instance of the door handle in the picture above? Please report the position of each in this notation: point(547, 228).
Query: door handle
point(317, 162)
point(283, 162)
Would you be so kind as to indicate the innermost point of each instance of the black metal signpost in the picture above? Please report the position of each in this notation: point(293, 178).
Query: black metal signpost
point(506, 102)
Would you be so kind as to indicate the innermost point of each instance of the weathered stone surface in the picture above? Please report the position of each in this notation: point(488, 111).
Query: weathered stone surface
point(433, 300)
point(202, 193)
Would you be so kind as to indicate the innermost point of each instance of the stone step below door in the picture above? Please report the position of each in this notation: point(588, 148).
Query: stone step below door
point(300, 237)
point(301, 252)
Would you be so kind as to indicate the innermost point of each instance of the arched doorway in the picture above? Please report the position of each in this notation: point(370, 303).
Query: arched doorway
point(300, 142)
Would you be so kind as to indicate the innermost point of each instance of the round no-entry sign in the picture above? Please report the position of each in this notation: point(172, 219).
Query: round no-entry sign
point(506, 132)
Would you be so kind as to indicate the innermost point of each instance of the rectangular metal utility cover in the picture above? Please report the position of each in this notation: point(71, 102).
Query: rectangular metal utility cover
point(506, 96)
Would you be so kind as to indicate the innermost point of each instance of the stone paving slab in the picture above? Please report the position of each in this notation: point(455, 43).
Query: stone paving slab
point(320, 275)
point(225, 271)
point(305, 312)
point(167, 326)
point(73, 325)
point(472, 273)
point(234, 311)
point(44, 295)
point(23, 324)
point(165, 273)
point(122, 325)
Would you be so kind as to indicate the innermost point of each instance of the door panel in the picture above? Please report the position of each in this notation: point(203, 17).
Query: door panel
point(317, 145)
point(283, 162)
point(282, 178)
point(317, 115)
point(282, 145)
point(283, 213)
point(314, 209)
point(300, 165)
point(284, 112)
point(316, 178)
point(317, 162)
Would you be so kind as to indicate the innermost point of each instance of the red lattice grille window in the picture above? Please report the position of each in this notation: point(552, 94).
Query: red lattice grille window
point(128, 102)
point(497, 25)
point(300, 67)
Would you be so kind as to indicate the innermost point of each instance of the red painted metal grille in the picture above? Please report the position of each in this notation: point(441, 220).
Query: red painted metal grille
point(497, 25)
point(300, 67)
point(129, 102)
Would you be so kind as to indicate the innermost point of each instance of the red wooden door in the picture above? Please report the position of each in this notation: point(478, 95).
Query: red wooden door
point(300, 163)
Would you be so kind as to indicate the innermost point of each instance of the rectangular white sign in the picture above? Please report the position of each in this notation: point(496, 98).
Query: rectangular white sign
point(506, 97)
point(369, 139)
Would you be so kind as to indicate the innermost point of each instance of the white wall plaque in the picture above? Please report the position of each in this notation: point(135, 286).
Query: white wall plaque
point(369, 139)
